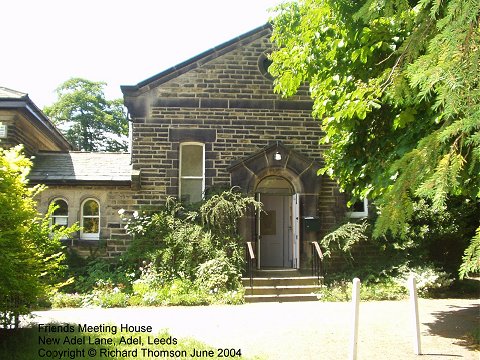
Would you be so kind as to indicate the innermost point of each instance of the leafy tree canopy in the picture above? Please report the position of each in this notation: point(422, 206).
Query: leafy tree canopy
point(89, 121)
point(395, 84)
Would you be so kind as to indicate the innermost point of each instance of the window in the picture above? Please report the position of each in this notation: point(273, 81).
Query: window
point(359, 209)
point(60, 214)
point(192, 166)
point(264, 63)
point(90, 220)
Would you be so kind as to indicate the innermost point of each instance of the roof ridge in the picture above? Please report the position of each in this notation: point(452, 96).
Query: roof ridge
point(189, 64)
point(4, 92)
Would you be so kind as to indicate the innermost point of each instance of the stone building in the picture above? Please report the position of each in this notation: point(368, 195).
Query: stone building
point(212, 121)
point(215, 120)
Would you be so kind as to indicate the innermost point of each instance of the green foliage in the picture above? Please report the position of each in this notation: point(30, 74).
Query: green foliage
point(428, 278)
point(88, 120)
point(30, 249)
point(221, 212)
point(175, 245)
point(344, 238)
point(395, 86)
point(93, 271)
point(177, 241)
point(105, 294)
point(471, 258)
point(218, 274)
point(437, 237)
point(66, 300)
point(389, 285)
point(386, 289)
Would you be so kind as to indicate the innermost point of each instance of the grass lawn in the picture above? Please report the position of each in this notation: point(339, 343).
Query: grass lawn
point(74, 343)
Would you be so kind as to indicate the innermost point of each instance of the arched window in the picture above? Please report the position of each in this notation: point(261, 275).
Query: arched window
point(90, 222)
point(264, 63)
point(60, 214)
point(192, 170)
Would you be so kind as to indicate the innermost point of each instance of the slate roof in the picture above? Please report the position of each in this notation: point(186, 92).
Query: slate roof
point(81, 168)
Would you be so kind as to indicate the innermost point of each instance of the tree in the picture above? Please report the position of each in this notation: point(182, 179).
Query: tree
point(30, 250)
point(88, 120)
point(395, 84)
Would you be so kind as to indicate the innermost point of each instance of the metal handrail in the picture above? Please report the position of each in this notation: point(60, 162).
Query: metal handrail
point(250, 261)
point(317, 261)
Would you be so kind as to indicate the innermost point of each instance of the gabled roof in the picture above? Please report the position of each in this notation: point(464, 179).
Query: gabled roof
point(81, 168)
point(6, 93)
point(12, 99)
point(195, 62)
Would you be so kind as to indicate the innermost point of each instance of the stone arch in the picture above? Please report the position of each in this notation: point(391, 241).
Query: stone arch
point(276, 160)
point(281, 172)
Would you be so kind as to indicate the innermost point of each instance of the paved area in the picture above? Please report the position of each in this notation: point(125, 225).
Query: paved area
point(305, 330)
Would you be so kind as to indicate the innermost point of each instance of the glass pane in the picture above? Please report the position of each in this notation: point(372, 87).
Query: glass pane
point(90, 225)
point(358, 206)
point(191, 190)
point(60, 220)
point(90, 207)
point(62, 207)
point(192, 160)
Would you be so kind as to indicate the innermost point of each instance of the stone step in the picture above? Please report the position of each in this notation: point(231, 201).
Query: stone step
point(282, 281)
point(280, 298)
point(282, 290)
point(276, 286)
point(278, 273)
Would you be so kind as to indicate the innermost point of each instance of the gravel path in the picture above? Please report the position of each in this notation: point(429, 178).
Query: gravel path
point(305, 330)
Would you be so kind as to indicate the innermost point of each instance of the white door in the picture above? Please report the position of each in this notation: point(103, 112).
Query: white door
point(272, 231)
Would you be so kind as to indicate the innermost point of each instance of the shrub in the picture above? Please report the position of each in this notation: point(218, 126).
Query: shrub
point(62, 300)
point(428, 278)
point(105, 295)
point(218, 274)
point(178, 241)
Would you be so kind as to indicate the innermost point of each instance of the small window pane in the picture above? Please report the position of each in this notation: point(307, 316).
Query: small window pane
point(90, 208)
point(62, 208)
point(191, 190)
point(192, 160)
point(60, 220)
point(90, 225)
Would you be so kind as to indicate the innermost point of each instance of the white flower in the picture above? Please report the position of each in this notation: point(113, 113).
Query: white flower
point(135, 214)
point(121, 211)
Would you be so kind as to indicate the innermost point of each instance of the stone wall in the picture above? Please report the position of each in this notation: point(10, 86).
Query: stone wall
point(113, 239)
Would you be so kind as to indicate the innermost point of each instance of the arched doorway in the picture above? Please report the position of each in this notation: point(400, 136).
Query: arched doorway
point(278, 224)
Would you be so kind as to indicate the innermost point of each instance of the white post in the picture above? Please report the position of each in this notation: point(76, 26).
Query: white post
point(355, 304)
point(412, 285)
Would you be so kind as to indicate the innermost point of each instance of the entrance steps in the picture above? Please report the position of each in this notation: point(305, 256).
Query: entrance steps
point(281, 286)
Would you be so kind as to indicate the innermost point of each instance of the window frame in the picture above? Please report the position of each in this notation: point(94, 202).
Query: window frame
point(89, 236)
point(359, 214)
point(186, 177)
point(52, 216)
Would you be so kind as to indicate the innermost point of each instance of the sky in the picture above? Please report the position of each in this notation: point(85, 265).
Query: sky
point(120, 42)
